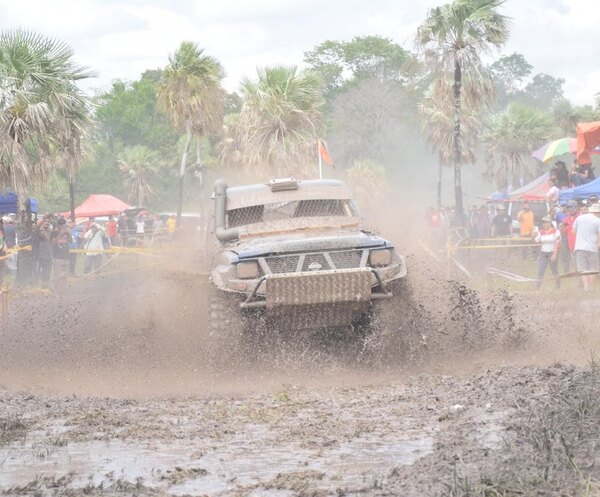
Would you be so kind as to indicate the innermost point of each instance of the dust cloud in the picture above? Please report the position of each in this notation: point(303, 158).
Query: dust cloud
point(141, 331)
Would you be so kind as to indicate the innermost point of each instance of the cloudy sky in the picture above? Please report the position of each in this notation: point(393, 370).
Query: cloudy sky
point(120, 39)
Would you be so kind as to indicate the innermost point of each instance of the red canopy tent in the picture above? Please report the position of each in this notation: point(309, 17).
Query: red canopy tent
point(100, 205)
point(588, 138)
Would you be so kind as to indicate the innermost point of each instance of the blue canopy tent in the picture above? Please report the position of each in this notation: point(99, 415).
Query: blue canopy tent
point(9, 203)
point(581, 191)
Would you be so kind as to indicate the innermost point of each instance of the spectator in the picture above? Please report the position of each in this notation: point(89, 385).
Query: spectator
point(526, 220)
point(564, 254)
point(93, 242)
point(501, 224)
point(567, 226)
point(74, 244)
point(549, 237)
point(562, 174)
point(580, 175)
point(553, 193)
point(159, 228)
point(472, 217)
point(140, 231)
point(171, 226)
point(45, 251)
point(61, 239)
point(483, 222)
point(10, 232)
point(587, 239)
point(112, 231)
point(587, 171)
point(89, 222)
point(123, 229)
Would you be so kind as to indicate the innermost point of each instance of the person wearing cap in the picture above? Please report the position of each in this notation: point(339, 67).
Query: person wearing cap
point(501, 224)
point(587, 240)
point(549, 237)
point(562, 174)
point(593, 199)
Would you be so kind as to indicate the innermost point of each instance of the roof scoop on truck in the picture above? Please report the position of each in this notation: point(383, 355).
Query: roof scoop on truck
point(283, 184)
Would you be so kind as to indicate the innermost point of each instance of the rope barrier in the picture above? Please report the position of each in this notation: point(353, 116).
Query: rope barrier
point(482, 247)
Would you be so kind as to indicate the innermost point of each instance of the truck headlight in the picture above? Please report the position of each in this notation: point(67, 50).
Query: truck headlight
point(380, 258)
point(247, 270)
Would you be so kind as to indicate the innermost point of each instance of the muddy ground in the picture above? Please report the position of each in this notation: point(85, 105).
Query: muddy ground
point(118, 389)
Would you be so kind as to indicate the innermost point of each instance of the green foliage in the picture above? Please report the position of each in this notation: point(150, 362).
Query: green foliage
point(138, 166)
point(279, 122)
point(566, 116)
point(190, 89)
point(542, 92)
point(362, 58)
point(509, 138)
point(511, 71)
point(127, 115)
point(436, 110)
point(375, 120)
point(43, 114)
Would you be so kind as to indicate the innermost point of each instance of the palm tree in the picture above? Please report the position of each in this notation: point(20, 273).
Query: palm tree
point(456, 34)
point(509, 138)
point(138, 165)
point(190, 94)
point(280, 120)
point(39, 102)
point(435, 109)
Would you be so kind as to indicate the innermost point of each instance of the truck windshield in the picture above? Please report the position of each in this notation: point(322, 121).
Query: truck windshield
point(289, 210)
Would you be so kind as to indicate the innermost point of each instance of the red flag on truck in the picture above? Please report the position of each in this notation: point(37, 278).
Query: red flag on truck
point(324, 153)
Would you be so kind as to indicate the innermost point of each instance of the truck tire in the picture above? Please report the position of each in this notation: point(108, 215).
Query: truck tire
point(226, 326)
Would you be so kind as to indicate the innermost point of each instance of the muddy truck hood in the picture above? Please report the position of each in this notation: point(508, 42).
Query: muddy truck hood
point(307, 242)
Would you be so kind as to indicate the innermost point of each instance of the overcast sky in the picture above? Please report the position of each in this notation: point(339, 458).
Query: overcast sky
point(120, 39)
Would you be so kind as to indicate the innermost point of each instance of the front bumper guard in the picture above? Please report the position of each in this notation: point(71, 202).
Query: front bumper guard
point(378, 292)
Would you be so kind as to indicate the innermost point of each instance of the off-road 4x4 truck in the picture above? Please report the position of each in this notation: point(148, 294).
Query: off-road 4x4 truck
point(293, 254)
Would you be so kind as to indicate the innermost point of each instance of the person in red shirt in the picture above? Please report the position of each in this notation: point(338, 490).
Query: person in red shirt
point(566, 226)
point(111, 231)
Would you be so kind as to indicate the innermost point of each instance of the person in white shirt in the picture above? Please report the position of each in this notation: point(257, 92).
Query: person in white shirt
point(553, 193)
point(549, 237)
point(93, 242)
point(140, 231)
point(587, 240)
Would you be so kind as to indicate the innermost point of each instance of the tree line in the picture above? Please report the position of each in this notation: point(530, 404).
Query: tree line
point(380, 106)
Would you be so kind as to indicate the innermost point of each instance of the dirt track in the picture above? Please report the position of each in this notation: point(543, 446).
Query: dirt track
point(117, 390)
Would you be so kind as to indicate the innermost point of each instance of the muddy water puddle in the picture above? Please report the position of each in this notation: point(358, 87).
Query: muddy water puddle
point(246, 461)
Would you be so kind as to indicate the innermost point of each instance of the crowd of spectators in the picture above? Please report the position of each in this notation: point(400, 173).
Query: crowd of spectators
point(568, 235)
point(56, 243)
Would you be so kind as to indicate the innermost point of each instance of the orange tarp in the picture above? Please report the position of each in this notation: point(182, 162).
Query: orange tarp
point(588, 138)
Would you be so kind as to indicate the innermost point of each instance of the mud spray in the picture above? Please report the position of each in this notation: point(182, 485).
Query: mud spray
point(119, 388)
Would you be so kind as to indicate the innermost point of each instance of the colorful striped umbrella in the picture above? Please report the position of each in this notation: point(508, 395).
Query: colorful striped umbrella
point(555, 149)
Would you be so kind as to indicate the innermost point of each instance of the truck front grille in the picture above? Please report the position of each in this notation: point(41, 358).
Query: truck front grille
point(344, 259)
